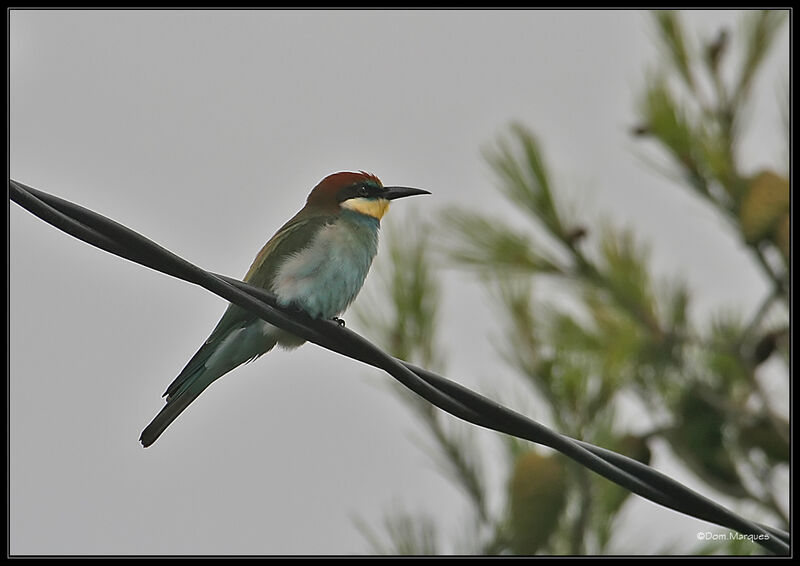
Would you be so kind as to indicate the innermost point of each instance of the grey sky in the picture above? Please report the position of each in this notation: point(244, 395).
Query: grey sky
point(205, 131)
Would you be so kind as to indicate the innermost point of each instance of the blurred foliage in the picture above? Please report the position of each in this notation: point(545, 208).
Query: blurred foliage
point(698, 383)
point(408, 534)
point(537, 494)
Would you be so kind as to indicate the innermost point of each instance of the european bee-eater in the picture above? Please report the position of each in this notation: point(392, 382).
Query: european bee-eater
point(316, 262)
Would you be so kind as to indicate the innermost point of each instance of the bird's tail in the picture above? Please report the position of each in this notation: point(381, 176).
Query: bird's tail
point(174, 407)
point(213, 360)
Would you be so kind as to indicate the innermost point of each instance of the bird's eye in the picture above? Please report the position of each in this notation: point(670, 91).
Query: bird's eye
point(362, 190)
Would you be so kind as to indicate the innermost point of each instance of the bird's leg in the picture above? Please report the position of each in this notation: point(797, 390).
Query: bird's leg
point(338, 321)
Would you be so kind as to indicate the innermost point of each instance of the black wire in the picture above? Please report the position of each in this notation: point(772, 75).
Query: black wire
point(358, 347)
point(445, 394)
point(55, 210)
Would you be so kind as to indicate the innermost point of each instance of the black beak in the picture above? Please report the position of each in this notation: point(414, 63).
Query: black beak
point(391, 193)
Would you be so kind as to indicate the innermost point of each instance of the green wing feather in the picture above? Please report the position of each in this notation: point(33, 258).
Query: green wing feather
point(293, 236)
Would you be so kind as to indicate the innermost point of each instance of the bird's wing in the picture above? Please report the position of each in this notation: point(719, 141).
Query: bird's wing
point(292, 237)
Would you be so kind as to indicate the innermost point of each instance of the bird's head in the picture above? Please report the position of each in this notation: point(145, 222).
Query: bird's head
point(357, 191)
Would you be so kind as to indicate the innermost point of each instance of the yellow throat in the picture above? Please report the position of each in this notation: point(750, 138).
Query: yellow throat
point(369, 206)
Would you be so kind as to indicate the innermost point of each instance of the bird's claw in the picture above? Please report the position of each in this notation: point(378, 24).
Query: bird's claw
point(338, 321)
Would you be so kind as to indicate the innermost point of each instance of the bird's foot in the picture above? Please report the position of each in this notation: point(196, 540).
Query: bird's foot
point(338, 321)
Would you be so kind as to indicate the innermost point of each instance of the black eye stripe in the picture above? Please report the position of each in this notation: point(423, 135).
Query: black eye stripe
point(359, 190)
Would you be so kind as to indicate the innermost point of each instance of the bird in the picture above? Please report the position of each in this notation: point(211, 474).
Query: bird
point(316, 263)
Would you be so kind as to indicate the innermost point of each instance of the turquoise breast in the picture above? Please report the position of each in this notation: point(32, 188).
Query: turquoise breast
point(325, 277)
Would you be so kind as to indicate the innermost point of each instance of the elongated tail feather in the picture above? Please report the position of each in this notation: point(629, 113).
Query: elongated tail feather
point(213, 360)
point(174, 407)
